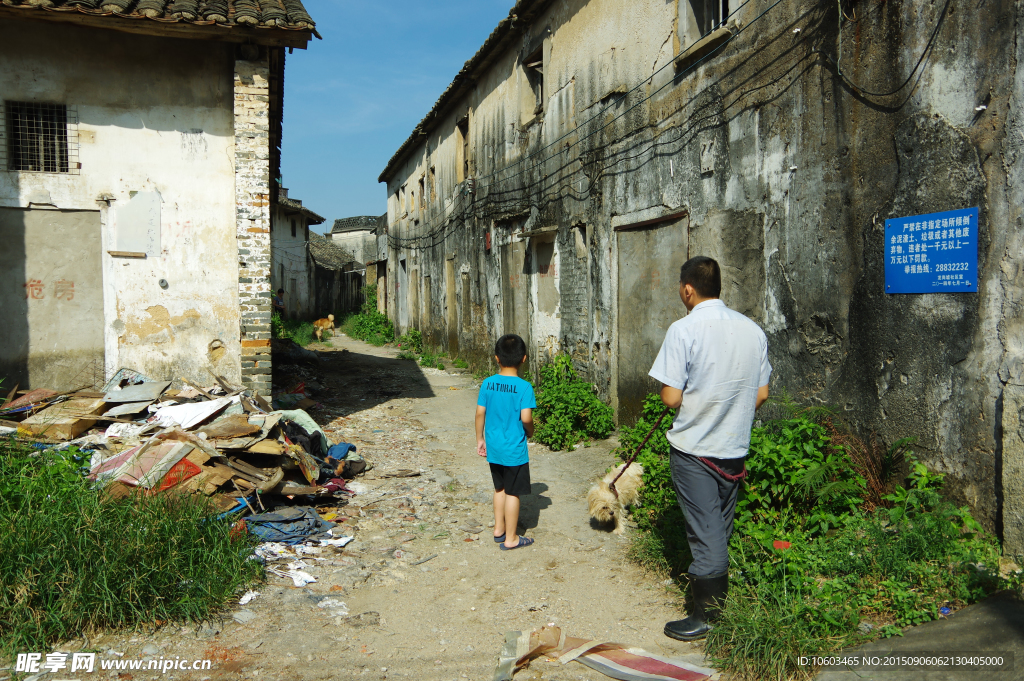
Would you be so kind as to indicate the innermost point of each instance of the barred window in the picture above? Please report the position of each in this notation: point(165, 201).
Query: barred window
point(39, 137)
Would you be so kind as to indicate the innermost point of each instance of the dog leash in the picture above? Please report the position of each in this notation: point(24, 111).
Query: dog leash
point(629, 462)
point(707, 462)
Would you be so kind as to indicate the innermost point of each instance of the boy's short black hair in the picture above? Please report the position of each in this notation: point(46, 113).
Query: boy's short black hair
point(703, 274)
point(280, 290)
point(510, 350)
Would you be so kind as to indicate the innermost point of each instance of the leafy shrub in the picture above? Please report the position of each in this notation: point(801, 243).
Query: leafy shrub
point(459, 363)
point(302, 333)
point(848, 562)
point(793, 467)
point(368, 324)
point(406, 354)
point(568, 410)
point(71, 562)
point(412, 341)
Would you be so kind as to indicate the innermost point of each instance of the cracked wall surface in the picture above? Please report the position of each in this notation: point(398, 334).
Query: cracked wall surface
point(772, 159)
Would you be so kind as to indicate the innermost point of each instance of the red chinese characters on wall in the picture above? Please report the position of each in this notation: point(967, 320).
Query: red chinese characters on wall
point(35, 289)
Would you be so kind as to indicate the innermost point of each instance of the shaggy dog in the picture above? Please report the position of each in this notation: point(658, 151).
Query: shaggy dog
point(321, 325)
point(604, 506)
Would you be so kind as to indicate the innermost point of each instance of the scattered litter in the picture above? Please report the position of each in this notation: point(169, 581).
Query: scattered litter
point(298, 577)
point(248, 596)
point(424, 560)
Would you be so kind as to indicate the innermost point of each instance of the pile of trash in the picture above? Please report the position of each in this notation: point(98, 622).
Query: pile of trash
point(221, 441)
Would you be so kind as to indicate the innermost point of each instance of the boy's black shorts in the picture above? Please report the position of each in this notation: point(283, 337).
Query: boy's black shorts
point(515, 480)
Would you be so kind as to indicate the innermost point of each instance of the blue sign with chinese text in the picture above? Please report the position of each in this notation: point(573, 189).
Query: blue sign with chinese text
point(934, 253)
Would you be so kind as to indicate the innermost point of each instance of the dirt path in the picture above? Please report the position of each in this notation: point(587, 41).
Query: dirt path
point(441, 617)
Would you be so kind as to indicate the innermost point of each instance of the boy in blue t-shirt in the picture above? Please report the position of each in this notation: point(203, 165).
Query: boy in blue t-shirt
point(504, 419)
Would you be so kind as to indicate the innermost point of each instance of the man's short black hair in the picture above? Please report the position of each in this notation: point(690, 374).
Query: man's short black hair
point(510, 350)
point(703, 274)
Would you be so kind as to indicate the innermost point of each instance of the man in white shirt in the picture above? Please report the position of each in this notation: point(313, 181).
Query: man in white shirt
point(713, 366)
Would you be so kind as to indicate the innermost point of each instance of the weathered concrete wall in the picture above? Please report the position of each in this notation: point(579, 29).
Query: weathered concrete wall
point(155, 116)
point(784, 170)
point(51, 298)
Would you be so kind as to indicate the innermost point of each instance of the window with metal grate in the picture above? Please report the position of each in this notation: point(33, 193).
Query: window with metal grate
point(38, 137)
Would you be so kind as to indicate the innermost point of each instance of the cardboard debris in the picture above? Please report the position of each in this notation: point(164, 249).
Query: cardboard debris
point(220, 441)
point(64, 420)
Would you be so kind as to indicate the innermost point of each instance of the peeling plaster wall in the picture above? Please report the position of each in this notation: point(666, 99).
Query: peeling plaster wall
point(155, 115)
point(786, 173)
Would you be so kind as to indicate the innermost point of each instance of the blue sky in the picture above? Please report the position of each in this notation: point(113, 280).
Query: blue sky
point(352, 98)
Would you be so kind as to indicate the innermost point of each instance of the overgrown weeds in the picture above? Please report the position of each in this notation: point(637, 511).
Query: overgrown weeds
point(568, 408)
point(833, 544)
point(300, 332)
point(71, 562)
point(368, 324)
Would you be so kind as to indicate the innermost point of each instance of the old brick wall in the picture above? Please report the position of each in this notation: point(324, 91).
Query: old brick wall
point(252, 196)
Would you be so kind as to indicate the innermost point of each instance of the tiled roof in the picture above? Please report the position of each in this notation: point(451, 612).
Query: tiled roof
point(286, 14)
point(296, 206)
point(355, 224)
point(327, 254)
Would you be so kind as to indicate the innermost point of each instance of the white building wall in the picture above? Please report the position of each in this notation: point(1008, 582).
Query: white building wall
point(155, 115)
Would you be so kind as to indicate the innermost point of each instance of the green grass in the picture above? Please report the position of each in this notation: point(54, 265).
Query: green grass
point(406, 354)
point(459, 363)
point(71, 563)
point(300, 332)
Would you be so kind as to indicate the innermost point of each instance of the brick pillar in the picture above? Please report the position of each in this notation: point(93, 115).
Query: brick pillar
point(252, 203)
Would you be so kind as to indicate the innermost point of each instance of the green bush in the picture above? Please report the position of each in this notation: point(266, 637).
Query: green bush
point(71, 562)
point(301, 332)
point(412, 341)
point(459, 363)
point(847, 563)
point(568, 410)
point(368, 324)
point(406, 354)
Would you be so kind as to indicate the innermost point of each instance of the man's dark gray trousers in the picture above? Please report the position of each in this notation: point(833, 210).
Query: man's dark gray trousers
point(709, 503)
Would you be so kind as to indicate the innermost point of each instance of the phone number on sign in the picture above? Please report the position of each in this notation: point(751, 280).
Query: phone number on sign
point(908, 661)
point(951, 267)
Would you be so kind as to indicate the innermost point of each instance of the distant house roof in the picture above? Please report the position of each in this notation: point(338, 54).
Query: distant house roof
point(295, 206)
point(356, 224)
point(327, 254)
point(275, 22)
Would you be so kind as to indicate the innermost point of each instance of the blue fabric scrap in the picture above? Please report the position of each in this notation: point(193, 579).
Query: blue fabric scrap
point(292, 525)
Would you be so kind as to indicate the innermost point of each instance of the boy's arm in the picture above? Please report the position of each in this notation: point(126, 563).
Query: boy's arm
point(526, 416)
point(481, 444)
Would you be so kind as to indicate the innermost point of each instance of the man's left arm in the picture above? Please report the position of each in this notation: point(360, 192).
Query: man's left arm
point(766, 372)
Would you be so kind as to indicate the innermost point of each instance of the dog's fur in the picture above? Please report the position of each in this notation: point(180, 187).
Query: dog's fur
point(321, 325)
point(604, 506)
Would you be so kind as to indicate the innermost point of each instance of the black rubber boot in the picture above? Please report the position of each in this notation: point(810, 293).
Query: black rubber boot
point(709, 594)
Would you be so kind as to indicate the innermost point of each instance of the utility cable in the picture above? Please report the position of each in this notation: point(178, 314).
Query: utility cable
point(924, 53)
